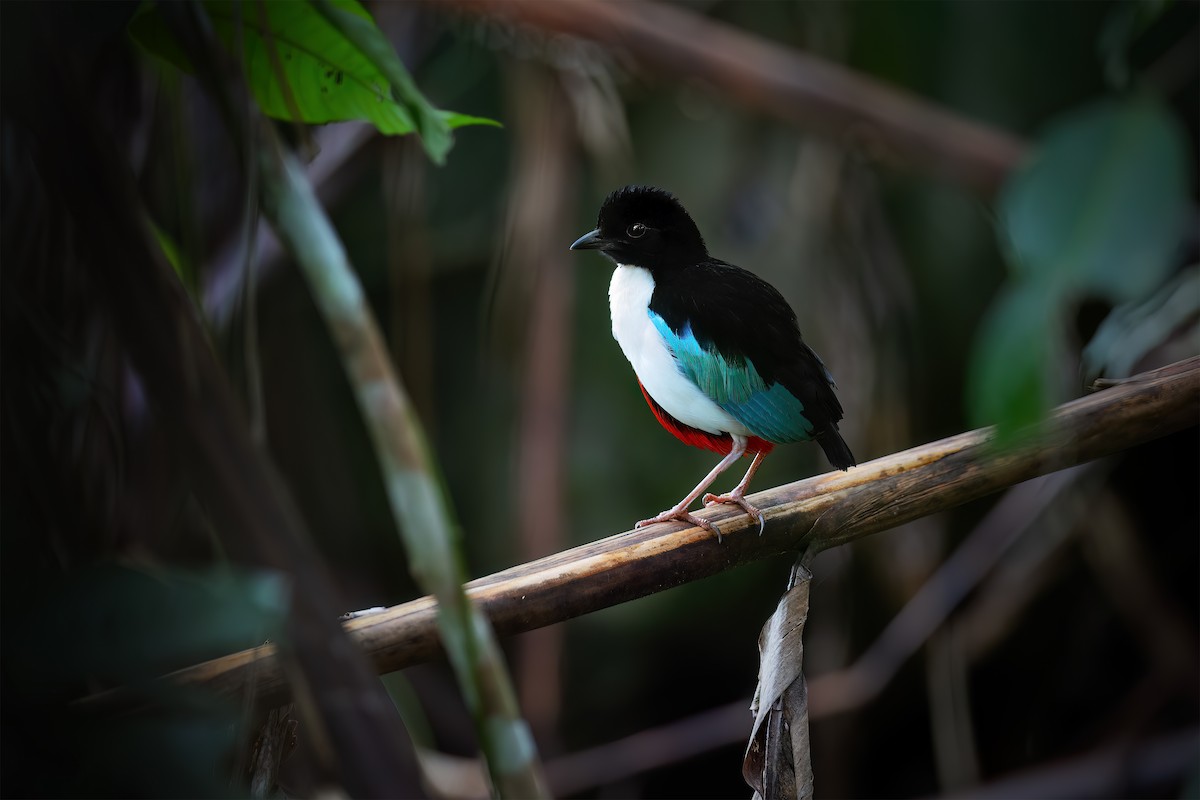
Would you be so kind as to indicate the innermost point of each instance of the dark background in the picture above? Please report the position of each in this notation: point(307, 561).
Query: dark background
point(1081, 638)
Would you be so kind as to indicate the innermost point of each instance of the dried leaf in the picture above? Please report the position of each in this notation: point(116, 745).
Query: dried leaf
point(777, 764)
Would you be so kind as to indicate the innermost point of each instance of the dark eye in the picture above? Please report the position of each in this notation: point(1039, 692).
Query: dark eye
point(637, 230)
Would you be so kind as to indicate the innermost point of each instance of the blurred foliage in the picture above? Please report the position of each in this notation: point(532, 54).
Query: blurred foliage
point(1126, 21)
point(1133, 330)
point(184, 269)
point(111, 626)
point(117, 625)
point(895, 278)
point(1101, 210)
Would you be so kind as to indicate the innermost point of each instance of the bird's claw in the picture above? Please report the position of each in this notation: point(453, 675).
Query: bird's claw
point(711, 499)
point(682, 515)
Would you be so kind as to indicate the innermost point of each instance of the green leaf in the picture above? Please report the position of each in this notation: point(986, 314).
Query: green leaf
point(175, 257)
point(335, 65)
point(1099, 211)
point(371, 43)
point(1009, 382)
point(328, 77)
point(1103, 205)
point(456, 120)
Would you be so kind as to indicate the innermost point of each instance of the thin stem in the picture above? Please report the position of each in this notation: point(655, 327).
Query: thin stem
point(419, 505)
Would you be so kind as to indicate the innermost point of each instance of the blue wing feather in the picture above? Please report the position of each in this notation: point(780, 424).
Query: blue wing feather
point(771, 412)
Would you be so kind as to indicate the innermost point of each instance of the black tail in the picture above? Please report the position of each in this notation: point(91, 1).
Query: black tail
point(835, 448)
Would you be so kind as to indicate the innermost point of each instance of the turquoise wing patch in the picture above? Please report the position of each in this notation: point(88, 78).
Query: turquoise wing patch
point(724, 380)
point(770, 412)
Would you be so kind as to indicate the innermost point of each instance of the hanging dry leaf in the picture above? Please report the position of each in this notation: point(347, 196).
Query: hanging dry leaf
point(276, 740)
point(777, 764)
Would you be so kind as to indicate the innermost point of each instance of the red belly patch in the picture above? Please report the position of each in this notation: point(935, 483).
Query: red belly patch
point(703, 439)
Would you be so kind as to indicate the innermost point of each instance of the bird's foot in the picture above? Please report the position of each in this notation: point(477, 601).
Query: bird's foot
point(738, 499)
point(682, 515)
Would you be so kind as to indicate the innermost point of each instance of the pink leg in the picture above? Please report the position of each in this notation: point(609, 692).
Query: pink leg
point(679, 510)
point(738, 495)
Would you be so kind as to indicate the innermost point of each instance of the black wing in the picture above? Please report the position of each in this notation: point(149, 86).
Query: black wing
point(742, 317)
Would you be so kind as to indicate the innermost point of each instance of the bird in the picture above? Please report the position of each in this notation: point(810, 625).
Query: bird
point(716, 350)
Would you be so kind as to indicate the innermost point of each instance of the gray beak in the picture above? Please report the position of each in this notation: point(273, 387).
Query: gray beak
point(589, 241)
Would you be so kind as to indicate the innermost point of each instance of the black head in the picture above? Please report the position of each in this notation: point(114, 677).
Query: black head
point(645, 227)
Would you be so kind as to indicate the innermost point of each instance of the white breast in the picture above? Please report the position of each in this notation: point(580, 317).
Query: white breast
point(629, 298)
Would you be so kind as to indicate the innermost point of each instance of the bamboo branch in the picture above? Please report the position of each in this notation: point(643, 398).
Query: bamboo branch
point(852, 686)
point(419, 507)
point(808, 515)
point(885, 122)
